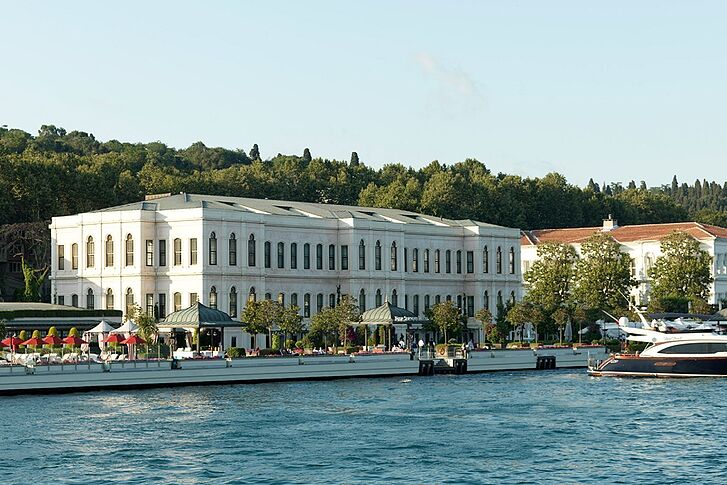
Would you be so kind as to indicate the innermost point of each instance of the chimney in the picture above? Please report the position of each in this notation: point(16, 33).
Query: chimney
point(609, 224)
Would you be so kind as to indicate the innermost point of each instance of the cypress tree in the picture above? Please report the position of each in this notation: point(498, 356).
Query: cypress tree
point(306, 155)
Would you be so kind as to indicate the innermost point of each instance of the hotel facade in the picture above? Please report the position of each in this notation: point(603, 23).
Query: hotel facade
point(165, 253)
point(642, 243)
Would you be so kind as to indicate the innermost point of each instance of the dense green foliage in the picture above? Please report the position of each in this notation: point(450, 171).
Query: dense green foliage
point(58, 172)
point(681, 275)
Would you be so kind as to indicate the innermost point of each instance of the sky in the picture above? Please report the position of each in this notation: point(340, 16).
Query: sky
point(616, 90)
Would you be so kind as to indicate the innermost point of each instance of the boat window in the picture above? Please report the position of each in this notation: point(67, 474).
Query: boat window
point(696, 348)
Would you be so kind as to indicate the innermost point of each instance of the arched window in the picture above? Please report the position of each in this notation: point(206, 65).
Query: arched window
point(90, 253)
point(129, 250)
point(267, 256)
point(233, 302)
point(331, 257)
point(293, 255)
point(319, 302)
point(426, 303)
point(361, 255)
point(512, 260)
point(251, 251)
point(251, 296)
point(448, 261)
point(394, 256)
point(512, 297)
point(378, 298)
point(109, 251)
point(281, 299)
point(319, 256)
point(486, 300)
point(109, 299)
point(213, 249)
point(426, 261)
point(74, 256)
point(306, 256)
point(416, 305)
point(377, 256)
point(498, 260)
point(129, 301)
point(232, 250)
point(362, 300)
point(90, 303)
point(436, 261)
point(394, 298)
point(499, 300)
point(415, 260)
point(281, 255)
point(177, 252)
point(294, 300)
point(459, 261)
point(213, 298)
point(177, 301)
point(306, 305)
point(332, 300)
point(74, 300)
point(485, 260)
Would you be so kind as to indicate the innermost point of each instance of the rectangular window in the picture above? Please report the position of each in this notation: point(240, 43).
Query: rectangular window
point(415, 260)
point(436, 261)
point(331, 257)
point(459, 262)
point(149, 252)
point(61, 257)
point(406, 260)
point(281, 255)
point(416, 305)
point(267, 255)
point(150, 304)
point(293, 256)
point(470, 306)
point(162, 305)
point(177, 252)
point(344, 258)
point(74, 256)
point(426, 261)
point(319, 256)
point(470, 261)
point(306, 256)
point(193, 251)
point(448, 261)
point(162, 252)
point(61, 300)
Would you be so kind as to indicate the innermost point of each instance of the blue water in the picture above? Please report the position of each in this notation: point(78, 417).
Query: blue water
point(510, 427)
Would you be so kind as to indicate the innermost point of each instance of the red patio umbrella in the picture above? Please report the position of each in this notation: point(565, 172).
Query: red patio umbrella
point(114, 338)
point(133, 340)
point(11, 342)
point(52, 340)
point(32, 342)
point(74, 340)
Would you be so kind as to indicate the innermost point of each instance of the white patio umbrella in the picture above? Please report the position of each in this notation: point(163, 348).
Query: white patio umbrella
point(101, 331)
point(568, 332)
point(127, 328)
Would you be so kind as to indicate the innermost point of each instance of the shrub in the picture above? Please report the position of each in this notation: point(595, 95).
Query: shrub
point(614, 345)
point(235, 352)
point(276, 342)
point(299, 344)
point(289, 343)
point(268, 352)
point(73, 332)
point(351, 349)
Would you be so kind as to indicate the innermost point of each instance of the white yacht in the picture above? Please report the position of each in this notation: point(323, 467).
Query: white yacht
point(675, 349)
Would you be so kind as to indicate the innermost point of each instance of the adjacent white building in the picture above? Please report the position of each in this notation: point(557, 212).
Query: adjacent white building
point(167, 252)
point(642, 242)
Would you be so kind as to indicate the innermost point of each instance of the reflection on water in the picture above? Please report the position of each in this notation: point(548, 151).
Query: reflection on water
point(510, 427)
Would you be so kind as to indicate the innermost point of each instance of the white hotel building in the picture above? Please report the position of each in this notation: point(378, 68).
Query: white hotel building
point(165, 253)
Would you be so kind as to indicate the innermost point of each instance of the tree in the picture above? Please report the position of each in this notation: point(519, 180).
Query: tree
point(34, 279)
point(306, 155)
point(603, 275)
point(291, 323)
point(347, 312)
point(255, 152)
point(324, 326)
point(550, 278)
point(683, 271)
point(561, 317)
point(354, 159)
point(148, 328)
point(485, 317)
point(259, 316)
point(446, 318)
point(524, 312)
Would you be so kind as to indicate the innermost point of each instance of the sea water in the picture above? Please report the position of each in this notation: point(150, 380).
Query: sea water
point(507, 427)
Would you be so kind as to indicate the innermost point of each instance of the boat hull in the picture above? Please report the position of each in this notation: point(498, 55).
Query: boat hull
point(636, 366)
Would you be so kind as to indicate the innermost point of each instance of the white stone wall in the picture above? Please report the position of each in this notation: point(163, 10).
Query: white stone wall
point(199, 223)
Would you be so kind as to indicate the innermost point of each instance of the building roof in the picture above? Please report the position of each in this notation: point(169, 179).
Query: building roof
point(198, 316)
point(291, 208)
point(623, 234)
point(389, 314)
